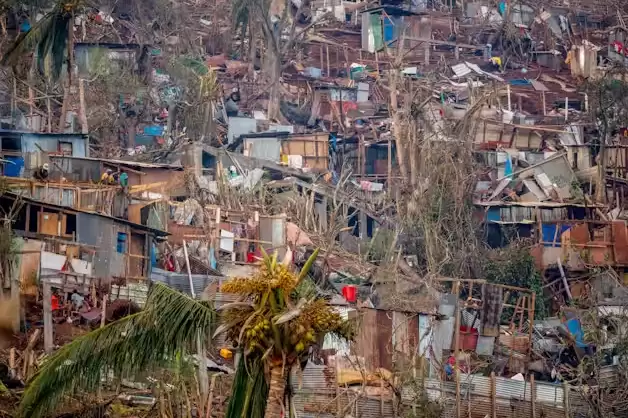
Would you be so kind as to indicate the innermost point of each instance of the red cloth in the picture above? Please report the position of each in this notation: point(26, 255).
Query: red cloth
point(54, 302)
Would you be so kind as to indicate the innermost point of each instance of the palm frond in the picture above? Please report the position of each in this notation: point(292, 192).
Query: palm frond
point(58, 43)
point(249, 392)
point(308, 265)
point(154, 337)
point(27, 42)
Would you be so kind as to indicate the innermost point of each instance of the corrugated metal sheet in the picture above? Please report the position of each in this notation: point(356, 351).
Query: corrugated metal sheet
point(137, 292)
point(316, 389)
point(264, 148)
point(240, 126)
point(315, 392)
point(181, 282)
point(102, 233)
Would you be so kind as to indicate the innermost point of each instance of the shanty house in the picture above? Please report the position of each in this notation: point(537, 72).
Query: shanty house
point(22, 151)
point(382, 25)
point(90, 169)
point(90, 56)
point(116, 247)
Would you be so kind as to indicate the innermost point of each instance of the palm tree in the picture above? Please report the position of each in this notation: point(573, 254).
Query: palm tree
point(166, 329)
point(276, 327)
point(51, 37)
point(270, 322)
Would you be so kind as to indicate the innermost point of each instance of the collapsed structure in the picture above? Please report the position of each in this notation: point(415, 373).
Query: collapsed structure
point(374, 92)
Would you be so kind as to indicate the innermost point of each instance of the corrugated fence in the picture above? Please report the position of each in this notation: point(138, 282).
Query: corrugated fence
point(316, 395)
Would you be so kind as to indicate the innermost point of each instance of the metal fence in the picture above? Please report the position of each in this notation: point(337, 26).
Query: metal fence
point(317, 395)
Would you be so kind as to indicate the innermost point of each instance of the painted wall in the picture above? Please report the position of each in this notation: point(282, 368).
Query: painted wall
point(50, 143)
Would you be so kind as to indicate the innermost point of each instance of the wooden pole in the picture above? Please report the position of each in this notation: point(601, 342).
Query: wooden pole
point(337, 385)
point(14, 102)
point(456, 291)
point(359, 167)
point(49, 111)
point(103, 316)
point(31, 104)
point(210, 397)
point(458, 396)
point(493, 396)
point(532, 304)
point(83, 108)
point(564, 278)
point(48, 331)
point(27, 353)
point(322, 58)
point(533, 396)
point(12, 365)
point(328, 64)
point(566, 399)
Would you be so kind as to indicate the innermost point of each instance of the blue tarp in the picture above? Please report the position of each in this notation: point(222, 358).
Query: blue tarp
point(549, 231)
point(519, 82)
point(575, 329)
point(15, 169)
point(154, 130)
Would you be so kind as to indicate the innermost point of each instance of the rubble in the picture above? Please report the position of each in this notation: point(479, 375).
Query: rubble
point(218, 172)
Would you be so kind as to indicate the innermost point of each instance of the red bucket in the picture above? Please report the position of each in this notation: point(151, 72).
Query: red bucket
point(350, 293)
point(468, 338)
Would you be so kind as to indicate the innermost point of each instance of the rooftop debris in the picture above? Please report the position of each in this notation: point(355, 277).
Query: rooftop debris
point(461, 173)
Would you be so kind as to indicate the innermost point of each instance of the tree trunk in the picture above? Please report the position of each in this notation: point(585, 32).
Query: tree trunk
point(83, 108)
point(413, 155)
point(64, 108)
point(273, 66)
point(68, 86)
point(396, 128)
point(600, 187)
point(277, 389)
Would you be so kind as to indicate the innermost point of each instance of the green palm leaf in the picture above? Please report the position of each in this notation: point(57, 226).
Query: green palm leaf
point(27, 42)
point(49, 37)
point(57, 46)
point(154, 337)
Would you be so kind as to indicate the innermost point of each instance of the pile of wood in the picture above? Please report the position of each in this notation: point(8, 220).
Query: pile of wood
point(22, 365)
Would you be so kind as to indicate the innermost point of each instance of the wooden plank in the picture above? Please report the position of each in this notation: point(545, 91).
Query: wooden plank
point(48, 223)
point(532, 394)
point(456, 291)
point(48, 331)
